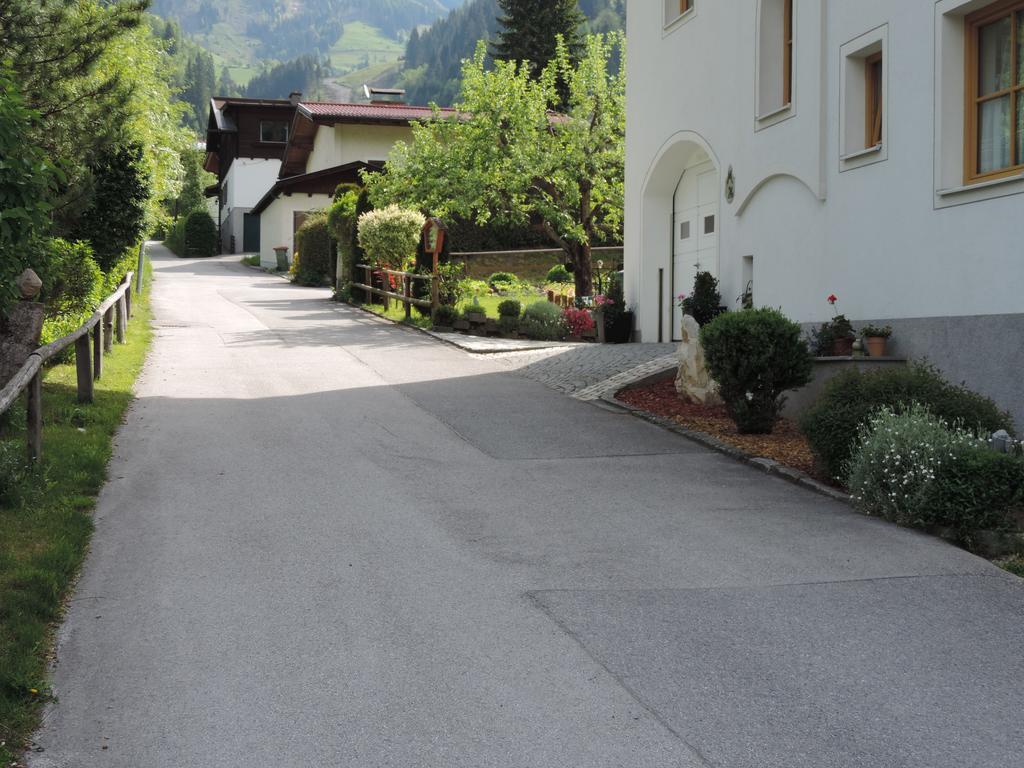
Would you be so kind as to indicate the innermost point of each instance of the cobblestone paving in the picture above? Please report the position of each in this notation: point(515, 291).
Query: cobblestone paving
point(591, 371)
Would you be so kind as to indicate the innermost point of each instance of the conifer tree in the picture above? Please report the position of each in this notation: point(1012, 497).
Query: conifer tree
point(529, 28)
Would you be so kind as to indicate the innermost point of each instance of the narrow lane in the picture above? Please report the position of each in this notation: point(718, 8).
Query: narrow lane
point(330, 541)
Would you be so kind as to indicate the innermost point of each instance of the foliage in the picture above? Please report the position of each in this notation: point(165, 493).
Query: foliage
point(175, 239)
point(917, 469)
point(578, 321)
point(389, 235)
point(193, 196)
point(543, 320)
point(72, 287)
point(510, 308)
point(755, 356)
point(501, 278)
point(508, 160)
point(1014, 564)
point(200, 235)
point(704, 304)
point(278, 81)
point(876, 331)
point(27, 183)
point(850, 398)
point(450, 278)
point(508, 324)
point(46, 519)
point(473, 309)
point(341, 222)
point(445, 316)
point(558, 274)
point(528, 31)
point(313, 241)
point(115, 220)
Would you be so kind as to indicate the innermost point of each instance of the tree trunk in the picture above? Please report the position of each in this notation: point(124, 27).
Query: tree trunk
point(584, 273)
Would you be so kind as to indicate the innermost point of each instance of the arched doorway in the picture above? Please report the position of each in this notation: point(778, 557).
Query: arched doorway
point(679, 232)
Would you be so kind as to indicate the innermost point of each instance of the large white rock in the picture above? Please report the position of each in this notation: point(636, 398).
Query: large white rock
point(693, 382)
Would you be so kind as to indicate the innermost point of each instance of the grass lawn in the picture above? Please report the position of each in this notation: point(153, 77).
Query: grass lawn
point(360, 45)
point(397, 313)
point(46, 520)
point(491, 301)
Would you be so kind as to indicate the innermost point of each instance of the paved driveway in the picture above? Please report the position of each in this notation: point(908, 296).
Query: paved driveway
point(327, 541)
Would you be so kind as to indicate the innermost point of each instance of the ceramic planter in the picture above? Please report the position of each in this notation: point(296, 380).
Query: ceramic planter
point(476, 318)
point(842, 348)
point(876, 345)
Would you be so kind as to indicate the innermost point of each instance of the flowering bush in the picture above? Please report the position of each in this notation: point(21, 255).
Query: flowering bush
point(916, 469)
point(603, 302)
point(544, 321)
point(389, 235)
point(578, 321)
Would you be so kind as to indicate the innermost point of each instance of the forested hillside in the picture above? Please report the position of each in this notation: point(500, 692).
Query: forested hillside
point(433, 57)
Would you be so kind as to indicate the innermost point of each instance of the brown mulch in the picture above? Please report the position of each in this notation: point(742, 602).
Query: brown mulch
point(786, 444)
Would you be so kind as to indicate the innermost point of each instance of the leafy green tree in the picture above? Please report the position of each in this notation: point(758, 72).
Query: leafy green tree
point(27, 184)
point(529, 29)
point(506, 159)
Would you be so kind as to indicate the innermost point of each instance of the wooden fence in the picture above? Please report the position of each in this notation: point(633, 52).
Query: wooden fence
point(406, 296)
point(110, 320)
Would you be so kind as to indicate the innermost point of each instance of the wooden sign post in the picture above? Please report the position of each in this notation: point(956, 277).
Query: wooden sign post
point(434, 234)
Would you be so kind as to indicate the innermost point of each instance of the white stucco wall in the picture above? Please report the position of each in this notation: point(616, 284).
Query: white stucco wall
point(880, 236)
point(343, 144)
point(276, 223)
point(248, 180)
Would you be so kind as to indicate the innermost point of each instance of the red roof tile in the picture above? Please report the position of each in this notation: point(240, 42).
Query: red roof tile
point(386, 112)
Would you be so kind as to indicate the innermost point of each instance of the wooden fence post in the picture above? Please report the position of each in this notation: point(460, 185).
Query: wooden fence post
point(408, 297)
point(141, 271)
point(108, 330)
point(35, 416)
point(97, 350)
point(83, 365)
point(122, 319)
point(128, 301)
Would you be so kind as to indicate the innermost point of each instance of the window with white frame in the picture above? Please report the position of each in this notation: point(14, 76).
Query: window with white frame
point(863, 99)
point(774, 58)
point(676, 9)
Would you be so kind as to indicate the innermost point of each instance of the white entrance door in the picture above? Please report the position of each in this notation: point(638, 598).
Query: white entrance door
point(695, 225)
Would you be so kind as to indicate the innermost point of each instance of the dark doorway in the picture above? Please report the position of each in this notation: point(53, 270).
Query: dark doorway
point(251, 233)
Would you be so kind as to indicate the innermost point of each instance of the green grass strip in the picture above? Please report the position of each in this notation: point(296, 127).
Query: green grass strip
point(46, 519)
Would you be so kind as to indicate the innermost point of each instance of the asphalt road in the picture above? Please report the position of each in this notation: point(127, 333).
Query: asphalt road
point(327, 541)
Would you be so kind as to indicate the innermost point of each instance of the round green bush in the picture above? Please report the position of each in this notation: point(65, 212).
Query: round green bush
point(916, 469)
point(445, 316)
point(543, 321)
point(508, 324)
point(755, 356)
point(510, 308)
point(314, 246)
point(501, 279)
point(389, 235)
point(559, 274)
point(200, 235)
point(831, 425)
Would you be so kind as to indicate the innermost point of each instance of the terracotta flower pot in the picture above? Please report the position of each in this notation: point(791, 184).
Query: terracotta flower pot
point(842, 348)
point(876, 345)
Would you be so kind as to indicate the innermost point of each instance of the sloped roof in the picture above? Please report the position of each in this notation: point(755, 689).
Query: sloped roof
point(371, 113)
point(322, 182)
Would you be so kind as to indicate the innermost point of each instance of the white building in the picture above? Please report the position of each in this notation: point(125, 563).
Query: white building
point(871, 149)
point(328, 144)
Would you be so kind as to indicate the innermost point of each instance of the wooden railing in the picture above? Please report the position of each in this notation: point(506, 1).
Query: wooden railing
point(110, 320)
point(405, 297)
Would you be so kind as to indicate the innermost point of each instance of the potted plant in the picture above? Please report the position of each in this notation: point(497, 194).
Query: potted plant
point(476, 314)
point(842, 331)
point(875, 338)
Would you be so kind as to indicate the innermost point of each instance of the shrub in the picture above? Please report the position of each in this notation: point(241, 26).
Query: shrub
point(389, 235)
point(916, 469)
point(473, 309)
point(175, 239)
point(559, 274)
point(313, 241)
point(510, 308)
point(72, 287)
point(543, 320)
point(445, 316)
point(848, 400)
point(578, 321)
point(705, 303)
point(508, 324)
point(14, 470)
point(755, 355)
point(200, 235)
point(341, 222)
point(503, 282)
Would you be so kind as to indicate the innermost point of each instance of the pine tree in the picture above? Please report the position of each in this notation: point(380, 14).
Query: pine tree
point(528, 30)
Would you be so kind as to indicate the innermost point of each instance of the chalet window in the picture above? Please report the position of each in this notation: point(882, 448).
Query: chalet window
point(994, 79)
point(864, 100)
point(774, 59)
point(274, 131)
point(676, 9)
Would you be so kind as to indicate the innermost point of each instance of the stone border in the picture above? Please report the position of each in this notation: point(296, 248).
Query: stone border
point(768, 466)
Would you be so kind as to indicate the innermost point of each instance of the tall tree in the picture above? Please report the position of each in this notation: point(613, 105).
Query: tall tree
point(507, 160)
point(529, 28)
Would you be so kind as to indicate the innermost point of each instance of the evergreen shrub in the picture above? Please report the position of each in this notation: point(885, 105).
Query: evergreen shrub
point(510, 308)
point(832, 423)
point(755, 356)
point(200, 235)
point(313, 241)
point(559, 274)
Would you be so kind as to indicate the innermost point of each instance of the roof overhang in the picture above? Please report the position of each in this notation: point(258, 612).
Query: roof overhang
point(318, 182)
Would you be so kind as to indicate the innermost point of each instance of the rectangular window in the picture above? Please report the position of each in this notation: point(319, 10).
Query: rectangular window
point(273, 131)
point(994, 78)
point(873, 104)
point(775, 58)
point(675, 9)
point(787, 52)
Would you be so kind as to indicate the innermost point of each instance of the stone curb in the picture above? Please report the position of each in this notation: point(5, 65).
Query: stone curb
point(768, 466)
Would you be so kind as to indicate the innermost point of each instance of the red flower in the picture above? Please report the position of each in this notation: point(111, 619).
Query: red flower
point(832, 299)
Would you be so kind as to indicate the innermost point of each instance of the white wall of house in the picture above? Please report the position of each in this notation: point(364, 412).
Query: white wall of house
point(248, 180)
point(892, 231)
point(277, 223)
point(342, 144)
